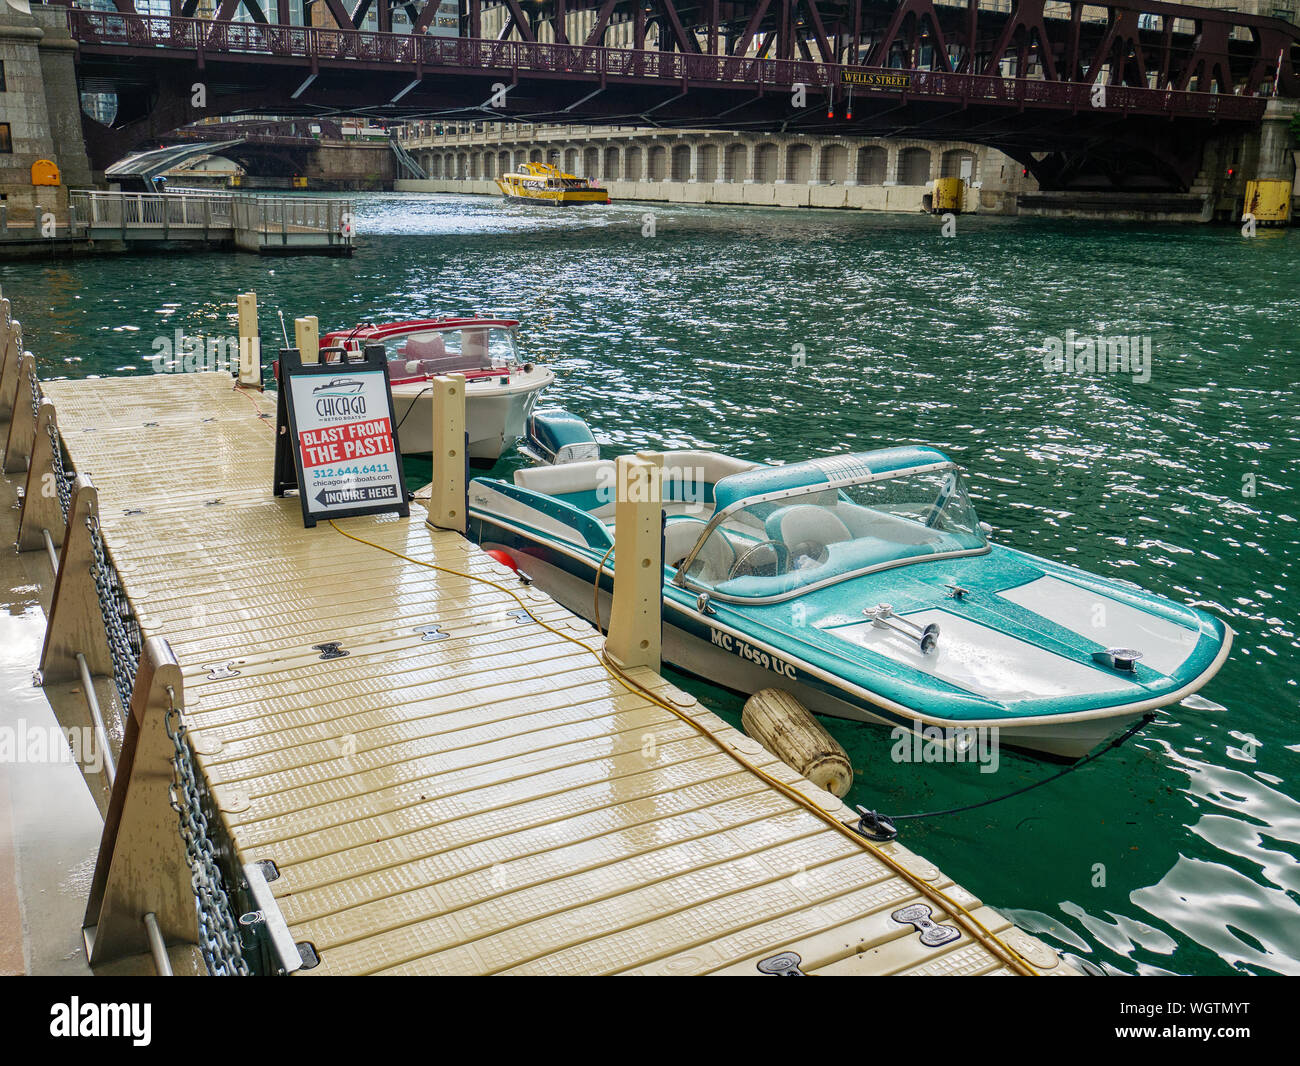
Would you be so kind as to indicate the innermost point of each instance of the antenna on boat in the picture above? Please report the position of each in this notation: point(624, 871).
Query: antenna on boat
point(284, 332)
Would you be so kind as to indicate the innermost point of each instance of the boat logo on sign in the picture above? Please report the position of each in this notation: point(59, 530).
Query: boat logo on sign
point(338, 387)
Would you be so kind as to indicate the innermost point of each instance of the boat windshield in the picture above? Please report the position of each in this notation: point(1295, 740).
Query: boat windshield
point(772, 548)
point(463, 349)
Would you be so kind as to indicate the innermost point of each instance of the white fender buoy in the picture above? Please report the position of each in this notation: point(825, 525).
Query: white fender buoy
point(787, 729)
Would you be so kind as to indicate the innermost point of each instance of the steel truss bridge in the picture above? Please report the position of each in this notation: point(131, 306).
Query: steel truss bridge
point(1085, 96)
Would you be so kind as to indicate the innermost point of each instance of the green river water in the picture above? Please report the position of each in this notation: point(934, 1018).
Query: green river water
point(1177, 853)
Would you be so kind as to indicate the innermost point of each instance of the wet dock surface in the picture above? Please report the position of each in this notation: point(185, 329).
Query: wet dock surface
point(445, 774)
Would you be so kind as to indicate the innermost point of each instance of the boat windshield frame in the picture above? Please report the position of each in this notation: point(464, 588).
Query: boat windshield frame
point(512, 360)
point(681, 579)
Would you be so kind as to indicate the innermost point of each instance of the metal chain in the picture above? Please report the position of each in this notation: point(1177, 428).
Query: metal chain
point(124, 638)
point(62, 479)
point(36, 389)
point(219, 938)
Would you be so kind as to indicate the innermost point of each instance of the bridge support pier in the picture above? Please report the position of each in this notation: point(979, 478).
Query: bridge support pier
point(41, 107)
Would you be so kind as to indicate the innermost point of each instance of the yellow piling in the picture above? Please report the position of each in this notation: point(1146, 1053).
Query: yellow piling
point(306, 338)
point(634, 622)
point(250, 344)
point(447, 493)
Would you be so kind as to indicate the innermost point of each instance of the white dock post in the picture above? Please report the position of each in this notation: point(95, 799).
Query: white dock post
point(306, 338)
point(635, 620)
point(250, 343)
point(447, 498)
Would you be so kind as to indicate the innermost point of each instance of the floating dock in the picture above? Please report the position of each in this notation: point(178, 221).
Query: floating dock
point(391, 755)
point(266, 225)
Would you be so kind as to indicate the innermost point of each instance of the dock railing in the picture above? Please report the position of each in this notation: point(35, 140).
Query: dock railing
point(290, 220)
point(264, 224)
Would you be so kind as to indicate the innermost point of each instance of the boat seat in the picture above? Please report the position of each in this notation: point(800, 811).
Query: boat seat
point(588, 485)
point(868, 522)
point(680, 535)
point(713, 563)
point(692, 474)
point(804, 524)
point(433, 347)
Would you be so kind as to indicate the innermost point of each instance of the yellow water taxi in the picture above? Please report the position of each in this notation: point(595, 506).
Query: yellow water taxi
point(545, 183)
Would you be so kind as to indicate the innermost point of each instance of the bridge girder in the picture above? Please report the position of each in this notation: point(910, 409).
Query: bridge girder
point(1139, 42)
point(945, 64)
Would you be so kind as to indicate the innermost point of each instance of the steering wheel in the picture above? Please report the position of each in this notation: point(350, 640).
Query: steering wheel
point(782, 560)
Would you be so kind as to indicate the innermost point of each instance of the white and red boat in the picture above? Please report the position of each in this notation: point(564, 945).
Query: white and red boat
point(500, 389)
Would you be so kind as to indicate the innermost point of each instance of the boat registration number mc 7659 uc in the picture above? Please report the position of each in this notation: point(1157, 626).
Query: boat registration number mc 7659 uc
point(754, 655)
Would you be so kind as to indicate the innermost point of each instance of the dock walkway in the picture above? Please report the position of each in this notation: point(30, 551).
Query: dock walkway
point(267, 225)
point(466, 789)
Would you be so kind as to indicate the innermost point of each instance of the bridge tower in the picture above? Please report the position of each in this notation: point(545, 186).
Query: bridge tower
point(40, 110)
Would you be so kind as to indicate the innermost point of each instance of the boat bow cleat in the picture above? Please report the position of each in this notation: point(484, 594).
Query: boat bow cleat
point(1125, 659)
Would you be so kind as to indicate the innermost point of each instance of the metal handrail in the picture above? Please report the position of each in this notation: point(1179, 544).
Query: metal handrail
point(333, 45)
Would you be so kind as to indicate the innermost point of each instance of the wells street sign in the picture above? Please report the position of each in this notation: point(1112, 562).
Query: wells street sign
point(876, 79)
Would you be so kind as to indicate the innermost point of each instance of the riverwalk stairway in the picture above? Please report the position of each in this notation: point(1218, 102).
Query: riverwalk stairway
point(393, 757)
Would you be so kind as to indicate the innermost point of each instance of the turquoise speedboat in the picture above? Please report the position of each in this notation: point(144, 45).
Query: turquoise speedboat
point(865, 585)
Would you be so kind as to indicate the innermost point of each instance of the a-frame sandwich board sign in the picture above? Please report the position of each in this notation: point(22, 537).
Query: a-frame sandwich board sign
point(334, 435)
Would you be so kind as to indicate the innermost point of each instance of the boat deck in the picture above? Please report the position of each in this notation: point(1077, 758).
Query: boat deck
point(468, 789)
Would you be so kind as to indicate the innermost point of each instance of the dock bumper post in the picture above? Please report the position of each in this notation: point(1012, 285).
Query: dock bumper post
point(448, 502)
point(10, 356)
point(24, 405)
point(306, 338)
point(76, 622)
point(636, 617)
point(250, 342)
point(47, 494)
point(142, 868)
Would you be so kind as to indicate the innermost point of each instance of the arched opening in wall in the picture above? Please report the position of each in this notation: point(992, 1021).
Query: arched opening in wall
point(462, 166)
point(474, 169)
point(913, 166)
point(632, 164)
point(708, 163)
point(658, 163)
point(571, 161)
point(681, 162)
point(535, 156)
point(503, 161)
point(489, 163)
point(872, 165)
point(433, 166)
point(958, 163)
point(449, 166)
point(590, 162)
point(834, 164)
point(610, 172)
point(735, 163)
point(765, 163)
point(798, 164)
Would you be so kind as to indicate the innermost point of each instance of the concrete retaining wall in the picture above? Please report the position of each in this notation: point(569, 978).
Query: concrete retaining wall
point(905, 198)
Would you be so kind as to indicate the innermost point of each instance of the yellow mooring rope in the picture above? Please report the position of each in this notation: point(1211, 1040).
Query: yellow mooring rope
point(994, 944)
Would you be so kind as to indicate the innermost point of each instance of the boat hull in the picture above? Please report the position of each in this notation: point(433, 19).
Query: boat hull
point(700, 645)
point(496, 415)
